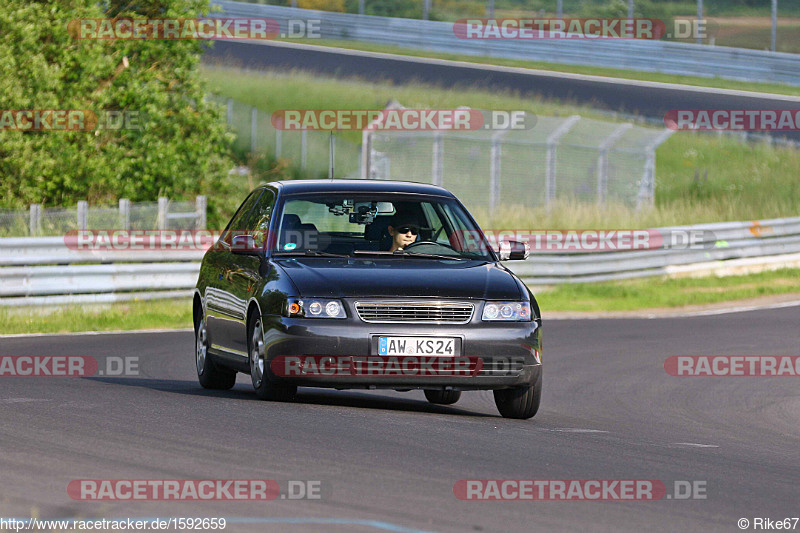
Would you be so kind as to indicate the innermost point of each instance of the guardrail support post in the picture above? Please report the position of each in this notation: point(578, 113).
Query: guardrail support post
point(201, 204)
point(163, 210)
point(35, 224)
point(83, 215)
point(125, 213)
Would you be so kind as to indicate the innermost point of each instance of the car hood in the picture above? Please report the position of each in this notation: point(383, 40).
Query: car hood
point(393, 277)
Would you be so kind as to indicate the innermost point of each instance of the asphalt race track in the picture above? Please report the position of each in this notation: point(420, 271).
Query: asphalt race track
point(388, 461)
point(642, 98)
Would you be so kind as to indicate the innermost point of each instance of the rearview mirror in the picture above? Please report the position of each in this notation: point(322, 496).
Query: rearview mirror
point(514, 250)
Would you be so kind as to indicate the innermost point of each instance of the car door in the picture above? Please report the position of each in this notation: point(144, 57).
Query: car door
point(244, 270)
point(221, 307)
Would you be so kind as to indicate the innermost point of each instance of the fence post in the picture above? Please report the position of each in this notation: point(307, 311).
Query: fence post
point(125, 213)
point(366, 153)
point(303, 136)
point(647, 187)
point(229, 116)
point(550, 159)
point(163, 209)
point(277, 143)
point(602, 160)
point(200, 206)
point(35, 224)
point(494, 169)
point(253, 129)
point(437, 172)
point(332, 156)
point(83, 215)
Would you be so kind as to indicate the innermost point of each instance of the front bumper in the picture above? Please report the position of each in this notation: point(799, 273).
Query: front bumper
point(510, 352)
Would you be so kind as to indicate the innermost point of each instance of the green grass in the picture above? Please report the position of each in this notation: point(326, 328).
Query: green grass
point(151, 314)
point(616, 296)
point(666, 293)
point(700, 178)
point(699, 81)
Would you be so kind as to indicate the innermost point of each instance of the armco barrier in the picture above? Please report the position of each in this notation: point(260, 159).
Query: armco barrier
point(42, 270)
point(652, 56)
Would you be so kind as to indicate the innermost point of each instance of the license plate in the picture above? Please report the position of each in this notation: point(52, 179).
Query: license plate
point(416, 346)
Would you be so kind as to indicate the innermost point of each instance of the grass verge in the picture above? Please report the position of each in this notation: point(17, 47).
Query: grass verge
point(633, 295)
point(127, 316)
point(653, 293)
point(696, 81)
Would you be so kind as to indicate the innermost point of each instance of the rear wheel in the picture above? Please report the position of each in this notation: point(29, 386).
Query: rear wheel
point(208, 374)
point(265, 388)
point(521, 403)
point(443, 397)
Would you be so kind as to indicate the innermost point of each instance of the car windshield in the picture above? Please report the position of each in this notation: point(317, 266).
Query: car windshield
point(379, 225)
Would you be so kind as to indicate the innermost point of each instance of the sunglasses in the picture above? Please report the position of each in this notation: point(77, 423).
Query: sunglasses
point(406, 229)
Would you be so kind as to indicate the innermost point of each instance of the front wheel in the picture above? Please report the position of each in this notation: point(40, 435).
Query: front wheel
point(520, 403)
point(259, 372)
point(208, 374)
point(443, 397)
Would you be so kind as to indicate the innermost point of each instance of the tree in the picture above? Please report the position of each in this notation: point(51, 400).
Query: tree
point(181, 147)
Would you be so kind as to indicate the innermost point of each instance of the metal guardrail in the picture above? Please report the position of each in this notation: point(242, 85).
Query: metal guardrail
point(43, 270)
point(652, 56)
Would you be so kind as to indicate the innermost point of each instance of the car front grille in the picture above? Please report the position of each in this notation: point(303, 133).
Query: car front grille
point(415, 312)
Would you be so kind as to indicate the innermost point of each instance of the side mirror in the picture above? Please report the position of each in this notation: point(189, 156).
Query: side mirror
point(244, 245)
point(514, 250)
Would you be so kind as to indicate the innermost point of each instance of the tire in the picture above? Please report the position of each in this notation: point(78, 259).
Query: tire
point(265, 387)
point(208, 374)
point(443, 397)
point(521, 402)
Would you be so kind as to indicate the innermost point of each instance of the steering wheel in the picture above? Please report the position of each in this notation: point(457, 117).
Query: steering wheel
point(429, 243)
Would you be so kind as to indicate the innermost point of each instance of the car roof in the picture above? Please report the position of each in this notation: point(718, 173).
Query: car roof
point(354, 185)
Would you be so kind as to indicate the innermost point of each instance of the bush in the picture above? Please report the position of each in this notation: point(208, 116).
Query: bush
point(181, 148)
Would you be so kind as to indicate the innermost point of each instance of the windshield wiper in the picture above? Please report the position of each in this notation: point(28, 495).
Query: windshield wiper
point(401, 253)
point(308, 253)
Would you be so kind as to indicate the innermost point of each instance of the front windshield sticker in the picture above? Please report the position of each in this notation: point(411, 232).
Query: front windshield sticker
point(290, 246)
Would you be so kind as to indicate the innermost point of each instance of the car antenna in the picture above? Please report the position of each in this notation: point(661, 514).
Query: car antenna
point(330, 157)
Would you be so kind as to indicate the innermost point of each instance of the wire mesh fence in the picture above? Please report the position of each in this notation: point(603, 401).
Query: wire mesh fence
point(41, 221)
point(574, 158)
point(305, 150)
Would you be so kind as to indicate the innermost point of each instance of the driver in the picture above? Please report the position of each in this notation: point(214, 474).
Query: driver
point(403, 229)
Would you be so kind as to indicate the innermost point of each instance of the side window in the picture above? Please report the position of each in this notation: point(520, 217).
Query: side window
point(237, 224)
point(258, 222)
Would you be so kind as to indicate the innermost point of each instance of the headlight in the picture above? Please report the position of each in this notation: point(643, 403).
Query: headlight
point(314, 308)
point(507, 311)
